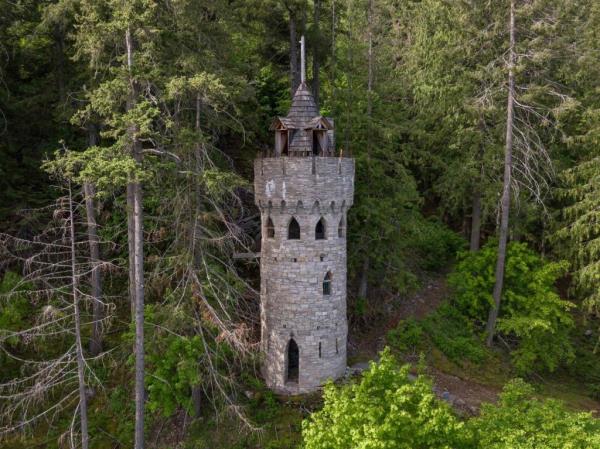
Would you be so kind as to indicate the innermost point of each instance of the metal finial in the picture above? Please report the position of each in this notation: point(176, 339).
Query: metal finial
point(302, 61)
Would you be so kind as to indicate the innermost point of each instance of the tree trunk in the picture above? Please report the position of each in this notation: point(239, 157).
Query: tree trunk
point(139, 318)
point(363, 286)
point(294, 72)
point(316, 84)
point(78, 345)
point(476, 221)
point(196, 389)
point(131, 248)
point(93, 241)
point(134, 194)
point(505, 204)
point(364, 276)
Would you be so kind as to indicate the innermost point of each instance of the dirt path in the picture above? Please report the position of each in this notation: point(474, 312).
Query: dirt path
point(465, 395)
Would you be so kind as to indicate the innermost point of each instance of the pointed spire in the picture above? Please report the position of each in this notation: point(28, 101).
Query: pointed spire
point(302, 61)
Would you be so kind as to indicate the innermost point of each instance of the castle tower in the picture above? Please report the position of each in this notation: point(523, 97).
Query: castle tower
point(303, 192)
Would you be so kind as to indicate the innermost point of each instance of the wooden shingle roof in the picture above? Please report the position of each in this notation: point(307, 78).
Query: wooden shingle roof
point(303, 107)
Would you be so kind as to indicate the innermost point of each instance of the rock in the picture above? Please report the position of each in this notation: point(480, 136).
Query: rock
point(249, 394)
point(588, 333)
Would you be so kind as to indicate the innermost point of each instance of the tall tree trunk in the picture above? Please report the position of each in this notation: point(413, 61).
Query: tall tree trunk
point(316, 84)
point(93, 241)
point(140, 396)
point(505, 205)
point(364, 276)
point(363, 285)
point(78, 345)
point(196, 389)
point(476, 221)
point(294, 72)
point(134, 194)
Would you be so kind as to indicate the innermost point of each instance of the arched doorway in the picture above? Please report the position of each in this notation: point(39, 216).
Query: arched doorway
point(293, 361)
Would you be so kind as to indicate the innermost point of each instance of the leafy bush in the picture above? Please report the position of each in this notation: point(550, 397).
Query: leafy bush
point(407, 336)
point(173, 372)
point(531, 309)
point(385, 410)
point(388, 410)
point(521, 421)
point(446, 328)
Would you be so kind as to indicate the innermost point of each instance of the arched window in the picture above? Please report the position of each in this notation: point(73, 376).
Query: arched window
point(327, 284)
point(293, 361)
point(270, 228)
point(320, 229)
point(294, 230)
point(342, 228)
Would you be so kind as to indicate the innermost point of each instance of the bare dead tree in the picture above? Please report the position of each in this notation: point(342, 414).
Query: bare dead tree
point(528, 166)
point(506, 187)
point(56, 265)
point(94, 243)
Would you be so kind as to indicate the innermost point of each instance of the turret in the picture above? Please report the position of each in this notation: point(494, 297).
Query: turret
point(303, 192)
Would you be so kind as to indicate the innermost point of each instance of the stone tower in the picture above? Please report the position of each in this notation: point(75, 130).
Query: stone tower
point(303, 192)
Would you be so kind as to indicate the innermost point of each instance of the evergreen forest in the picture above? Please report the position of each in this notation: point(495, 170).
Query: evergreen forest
point(130, 239)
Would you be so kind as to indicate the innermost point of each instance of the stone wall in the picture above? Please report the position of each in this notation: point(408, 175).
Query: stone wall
point(292, 271)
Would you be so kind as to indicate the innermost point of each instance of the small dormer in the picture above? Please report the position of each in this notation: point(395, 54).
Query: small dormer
point(303, 132)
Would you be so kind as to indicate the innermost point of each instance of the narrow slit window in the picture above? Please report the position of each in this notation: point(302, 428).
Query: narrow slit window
point(337, 350)
point(270, 229)
point(327, 284)
point(320, 350)
point(320, 229)
point(293, 361)
point(294, 230)
point(342, 228)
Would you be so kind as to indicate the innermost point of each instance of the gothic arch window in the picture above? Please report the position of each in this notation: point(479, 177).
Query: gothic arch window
point(293, 361)
point(270, 229)
point(342, 228)
point(327, 284)
point(294, 229)
point(320, 229)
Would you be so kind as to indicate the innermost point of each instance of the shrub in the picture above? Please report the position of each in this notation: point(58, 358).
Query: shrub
point(531, 310)
point(446, 328)
point(521, 421)
point(388, 410)
point(173, 372)
point(407, 336)
point(385, 410)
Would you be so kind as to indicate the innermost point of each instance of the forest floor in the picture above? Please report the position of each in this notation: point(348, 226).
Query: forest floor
point(465, 386)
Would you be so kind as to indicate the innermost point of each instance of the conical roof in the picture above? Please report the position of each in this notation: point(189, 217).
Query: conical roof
point(303, 108)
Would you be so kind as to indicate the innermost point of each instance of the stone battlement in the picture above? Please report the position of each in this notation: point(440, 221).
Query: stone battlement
point(284, 181)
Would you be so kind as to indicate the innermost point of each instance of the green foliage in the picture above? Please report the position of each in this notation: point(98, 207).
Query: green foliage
point(173, 372)
point(15, 309)
point(406, 336)
point(387, 410)
point(384, 410)
point(446, 329)
point(436, 245)
point(531, 309)
point(580, 232)
point(522, 421)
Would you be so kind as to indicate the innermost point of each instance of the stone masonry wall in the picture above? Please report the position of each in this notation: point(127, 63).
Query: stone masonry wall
point(292, 271)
